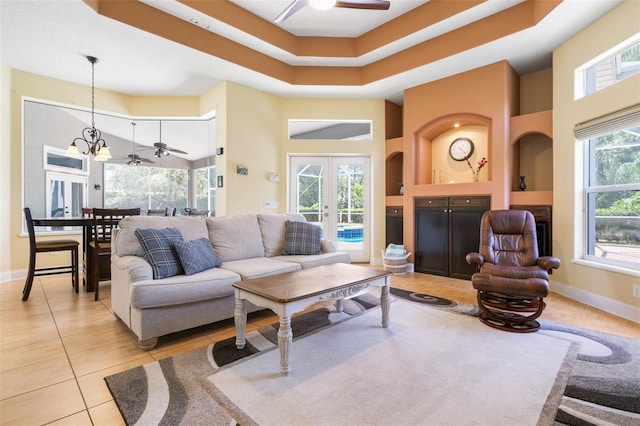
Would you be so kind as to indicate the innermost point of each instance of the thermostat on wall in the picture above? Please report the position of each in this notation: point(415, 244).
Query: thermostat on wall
point(274, 177)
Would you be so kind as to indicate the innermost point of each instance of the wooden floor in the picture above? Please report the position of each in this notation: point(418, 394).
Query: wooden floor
point(57, 347)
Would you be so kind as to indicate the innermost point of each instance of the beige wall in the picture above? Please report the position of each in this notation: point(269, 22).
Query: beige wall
point(5, 173)
point(250, 126)
point(346, 109)
point(17, 85)
point(581, 280)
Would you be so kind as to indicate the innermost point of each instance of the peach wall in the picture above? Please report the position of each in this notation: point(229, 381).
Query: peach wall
point(486, 96)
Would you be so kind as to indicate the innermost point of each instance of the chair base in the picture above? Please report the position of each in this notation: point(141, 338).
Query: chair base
point(509, 313)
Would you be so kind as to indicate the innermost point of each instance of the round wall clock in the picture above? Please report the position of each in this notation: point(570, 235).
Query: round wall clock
point(461, 149)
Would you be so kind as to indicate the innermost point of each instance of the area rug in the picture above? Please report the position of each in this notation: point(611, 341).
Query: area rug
point(583, 377)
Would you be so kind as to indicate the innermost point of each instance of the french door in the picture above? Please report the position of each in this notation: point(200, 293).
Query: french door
point(333, 192)
point(66, 194)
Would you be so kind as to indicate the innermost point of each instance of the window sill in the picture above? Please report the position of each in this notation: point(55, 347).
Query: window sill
point(607, 267)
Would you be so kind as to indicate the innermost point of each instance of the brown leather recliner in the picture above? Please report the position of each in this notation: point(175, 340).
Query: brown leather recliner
point(512, 279)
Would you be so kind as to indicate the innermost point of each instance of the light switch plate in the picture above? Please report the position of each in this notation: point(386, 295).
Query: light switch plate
point(271, 204)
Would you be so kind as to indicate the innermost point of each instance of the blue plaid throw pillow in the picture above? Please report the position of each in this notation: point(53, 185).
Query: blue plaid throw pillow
point(196, 255)
point(159, 251)
point(302, 238)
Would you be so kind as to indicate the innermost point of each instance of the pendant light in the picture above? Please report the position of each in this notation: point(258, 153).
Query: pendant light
point(91, 136)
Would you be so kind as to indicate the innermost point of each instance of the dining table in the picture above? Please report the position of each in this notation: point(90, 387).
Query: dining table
point(87, 225)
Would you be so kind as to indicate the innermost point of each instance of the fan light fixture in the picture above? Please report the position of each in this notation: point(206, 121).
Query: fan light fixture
point(96, 146)
point(322, 4)
point(134, 161)
point(161, 151)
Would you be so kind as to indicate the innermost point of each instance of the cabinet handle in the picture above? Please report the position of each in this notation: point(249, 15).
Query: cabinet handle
point(468, 201)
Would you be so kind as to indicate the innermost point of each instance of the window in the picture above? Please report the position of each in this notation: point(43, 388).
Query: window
point(206, 189)
point(615, 65)
point(612, 188)
point(57, 159)
point(145, 187)
point(330, 129)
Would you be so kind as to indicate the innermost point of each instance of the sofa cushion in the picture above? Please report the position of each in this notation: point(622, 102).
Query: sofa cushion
point(259, 267)
point(235, 237)
point(272, 227)
point(127, 244)
point(196, 255)
point(302, 238)
point(159, 251)
point(210, 284)
point(313, 260)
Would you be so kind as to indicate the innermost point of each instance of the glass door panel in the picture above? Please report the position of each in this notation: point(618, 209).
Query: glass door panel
point(332, 192)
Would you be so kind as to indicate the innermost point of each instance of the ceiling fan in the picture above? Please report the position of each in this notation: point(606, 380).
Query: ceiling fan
point(162, 150)
point(296, 5)
point(135, 159)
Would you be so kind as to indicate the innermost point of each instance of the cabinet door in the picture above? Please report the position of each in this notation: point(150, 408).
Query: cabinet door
point(464, 233)
point(394, 226)
point(431, 240)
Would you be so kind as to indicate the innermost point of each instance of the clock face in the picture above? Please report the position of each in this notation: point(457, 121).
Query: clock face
point(461, 149)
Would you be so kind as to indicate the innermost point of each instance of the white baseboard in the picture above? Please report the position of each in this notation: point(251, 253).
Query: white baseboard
point(20, 274)
point(632, 313)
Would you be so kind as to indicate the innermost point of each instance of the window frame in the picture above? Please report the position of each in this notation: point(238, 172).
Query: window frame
point(588, 133)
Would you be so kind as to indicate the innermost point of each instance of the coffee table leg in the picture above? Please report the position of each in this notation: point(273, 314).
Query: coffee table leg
point(385, 305)
point(340, 305)
point(240, 319)
point(285, 337)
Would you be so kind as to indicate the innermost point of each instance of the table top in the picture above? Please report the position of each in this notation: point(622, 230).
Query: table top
point(291, 286)
point(62, 221)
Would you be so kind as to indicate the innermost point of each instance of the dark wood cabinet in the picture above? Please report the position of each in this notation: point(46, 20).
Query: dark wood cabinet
point(542, 215)
point(447, 228)
point(394, 225)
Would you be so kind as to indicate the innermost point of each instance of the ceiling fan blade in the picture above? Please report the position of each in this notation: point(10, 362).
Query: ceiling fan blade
point(146, 160)
point(179, 151)
point(364, 4)
point(295, 6)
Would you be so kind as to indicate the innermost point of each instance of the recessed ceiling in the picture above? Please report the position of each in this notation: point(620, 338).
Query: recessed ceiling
point(52, 38)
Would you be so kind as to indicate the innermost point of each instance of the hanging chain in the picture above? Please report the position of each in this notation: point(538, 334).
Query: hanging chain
point(93, 96)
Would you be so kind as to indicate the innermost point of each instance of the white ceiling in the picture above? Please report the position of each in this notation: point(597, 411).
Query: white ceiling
point(52, 38)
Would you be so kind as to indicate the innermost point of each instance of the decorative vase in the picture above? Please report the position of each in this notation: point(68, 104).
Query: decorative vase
point(476, 175)
point(523, 185)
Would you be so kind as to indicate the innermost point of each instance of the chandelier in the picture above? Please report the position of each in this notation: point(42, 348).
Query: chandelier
point(91, 136)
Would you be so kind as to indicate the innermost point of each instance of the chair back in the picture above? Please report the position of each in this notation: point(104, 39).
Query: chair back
point(30, 229)
point(508, 238)
point(194, 212)
point(87, 212)
point(105, 220)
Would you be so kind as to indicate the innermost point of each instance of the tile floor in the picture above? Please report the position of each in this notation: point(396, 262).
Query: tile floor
point(56, 348)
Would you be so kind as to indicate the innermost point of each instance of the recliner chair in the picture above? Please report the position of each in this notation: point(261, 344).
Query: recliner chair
point(512, 279)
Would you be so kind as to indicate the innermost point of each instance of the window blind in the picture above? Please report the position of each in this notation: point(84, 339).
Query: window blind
point(610, 123)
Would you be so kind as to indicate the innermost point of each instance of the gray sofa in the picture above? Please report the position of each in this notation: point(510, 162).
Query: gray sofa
point(249, 246)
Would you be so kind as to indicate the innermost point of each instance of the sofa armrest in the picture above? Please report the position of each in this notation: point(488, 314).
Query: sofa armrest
point(137, 268)
point(327, 246)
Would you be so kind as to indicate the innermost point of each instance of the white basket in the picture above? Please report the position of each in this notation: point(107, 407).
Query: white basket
point(395, 265)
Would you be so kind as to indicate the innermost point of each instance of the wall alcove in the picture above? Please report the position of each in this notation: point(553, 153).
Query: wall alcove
point(432, 149)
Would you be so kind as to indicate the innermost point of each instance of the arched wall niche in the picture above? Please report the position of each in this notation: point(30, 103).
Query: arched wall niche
point(431, 153)
point(533, 159)
point(394, 164)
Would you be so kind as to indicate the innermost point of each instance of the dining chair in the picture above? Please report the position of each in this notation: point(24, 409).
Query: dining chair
point(47, 247)
point(157, 212)
point(200, 213)
point(104, 222)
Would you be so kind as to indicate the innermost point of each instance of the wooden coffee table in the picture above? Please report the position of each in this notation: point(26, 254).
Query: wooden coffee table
point(286, 294)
